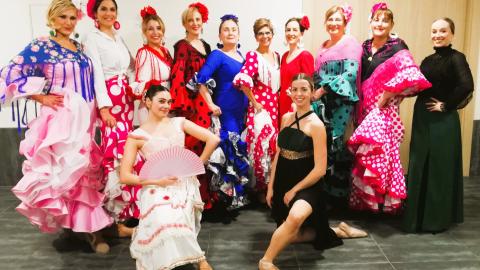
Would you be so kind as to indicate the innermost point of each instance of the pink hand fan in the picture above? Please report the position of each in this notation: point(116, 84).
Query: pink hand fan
point(174, 161)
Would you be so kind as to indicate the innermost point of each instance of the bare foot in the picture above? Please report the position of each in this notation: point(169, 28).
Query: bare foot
point(97, 243)
point(266, 265)
point(352, 232)
point(203, 265)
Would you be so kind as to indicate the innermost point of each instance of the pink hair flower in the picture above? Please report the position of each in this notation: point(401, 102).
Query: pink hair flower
point(347, 12)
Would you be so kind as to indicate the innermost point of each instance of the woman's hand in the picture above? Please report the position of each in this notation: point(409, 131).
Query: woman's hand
point(216, 111)
point(166, 181)
point(107, 117)
point(385, 99)
point(269, 196)
point(49, 100)
point(289, 196)
point(435, 105)
point(258, 107)
point(319, 93)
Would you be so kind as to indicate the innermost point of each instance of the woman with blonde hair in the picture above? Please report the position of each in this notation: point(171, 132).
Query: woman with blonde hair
point(61, 183)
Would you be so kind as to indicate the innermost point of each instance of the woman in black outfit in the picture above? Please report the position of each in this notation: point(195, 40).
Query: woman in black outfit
point(435, 178)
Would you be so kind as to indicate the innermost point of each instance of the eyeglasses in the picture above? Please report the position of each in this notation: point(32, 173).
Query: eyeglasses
point(268, 33)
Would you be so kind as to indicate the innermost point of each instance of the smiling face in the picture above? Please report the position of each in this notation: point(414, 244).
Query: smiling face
point(301, 92)
point(159, 105)
point(292, 33)
point(381, 25)
point(264, 36)
point(154, 33)
point(229, 33)
point(441, 34)
point(335, 24)
point(65, 23)
point(106, 14)
point(193, 24)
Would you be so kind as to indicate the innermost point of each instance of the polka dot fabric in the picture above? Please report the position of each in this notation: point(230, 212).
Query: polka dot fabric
point(120, 203)
point(258, 75)
point(378, 174)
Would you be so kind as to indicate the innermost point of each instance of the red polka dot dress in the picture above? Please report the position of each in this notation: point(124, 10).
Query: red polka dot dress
point(263, 78)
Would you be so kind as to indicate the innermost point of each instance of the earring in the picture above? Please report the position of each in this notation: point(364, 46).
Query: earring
point(76, 35)
point(238, 46)
point(96, 24)
point(219, 45)
point(116, 25)
point(53, 32)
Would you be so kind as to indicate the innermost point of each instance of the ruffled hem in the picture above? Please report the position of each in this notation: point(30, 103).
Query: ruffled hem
point(242, 79)
point(230, 167)
point(61, 179)
point(262, 155)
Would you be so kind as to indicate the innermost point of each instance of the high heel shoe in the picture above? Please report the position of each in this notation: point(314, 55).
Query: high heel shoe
point(264, 265)
point(97, 244)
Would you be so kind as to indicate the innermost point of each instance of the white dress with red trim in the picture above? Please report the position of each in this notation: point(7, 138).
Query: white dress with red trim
point(169, 222)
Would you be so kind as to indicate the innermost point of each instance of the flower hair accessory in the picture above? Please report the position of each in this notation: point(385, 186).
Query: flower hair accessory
point(202, 9)
point(305, 22)
point(148, 10)
point(90, 5)
point(377, 6)
point(78, 6)
point(347, 12)
point(227, 17)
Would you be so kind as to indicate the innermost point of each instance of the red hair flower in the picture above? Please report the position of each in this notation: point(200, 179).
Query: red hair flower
point(90, 5)
point(148, 10)
point(202, 9)
point(377, 6)
point(305, 22)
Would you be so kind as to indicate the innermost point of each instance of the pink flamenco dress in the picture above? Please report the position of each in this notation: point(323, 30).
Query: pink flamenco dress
point(113, 65)
point(169, 221)
point(263, 78)
point(62, 178)
point(378, 178)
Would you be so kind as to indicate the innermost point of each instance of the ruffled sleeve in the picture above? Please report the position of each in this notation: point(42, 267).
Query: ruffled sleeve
point(205, 75)
point(343, 83)
point(143, 71)
point(462, 93)
point(403, 76)
point(22, 77)
point(249, 71)
point(101, 94)
point(178, 81)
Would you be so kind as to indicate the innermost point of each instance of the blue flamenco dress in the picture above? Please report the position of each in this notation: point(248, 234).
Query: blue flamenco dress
point(229, 163)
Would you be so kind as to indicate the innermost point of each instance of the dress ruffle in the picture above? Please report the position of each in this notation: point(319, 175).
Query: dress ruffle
point(62, 177)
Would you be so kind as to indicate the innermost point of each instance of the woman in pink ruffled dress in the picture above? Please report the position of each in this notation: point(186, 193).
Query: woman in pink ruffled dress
point(389, 74)
point(61, 174)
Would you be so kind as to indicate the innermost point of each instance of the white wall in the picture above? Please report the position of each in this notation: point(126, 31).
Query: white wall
point(21, 20)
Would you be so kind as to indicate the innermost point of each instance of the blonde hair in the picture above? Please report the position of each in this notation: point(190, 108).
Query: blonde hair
point(387, 13)
point(187, 12)
point(334, 9)
point(56, 8)
point(149, 18)
point(260, 23)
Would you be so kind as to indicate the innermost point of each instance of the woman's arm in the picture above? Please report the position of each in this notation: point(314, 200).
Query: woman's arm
point(319, 137)
point(128, 161)
point(204, 135)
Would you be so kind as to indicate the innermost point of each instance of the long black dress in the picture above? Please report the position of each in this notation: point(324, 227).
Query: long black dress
point(435, 178)
point(294, 163)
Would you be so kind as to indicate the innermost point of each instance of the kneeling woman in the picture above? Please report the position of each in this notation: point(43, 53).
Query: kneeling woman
point(166, 236)
point(295, 195)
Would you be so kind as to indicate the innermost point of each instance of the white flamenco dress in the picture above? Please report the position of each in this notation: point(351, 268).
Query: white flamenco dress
point(169, 222)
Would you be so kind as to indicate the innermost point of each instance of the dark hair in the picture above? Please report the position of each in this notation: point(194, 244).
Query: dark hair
point(298, 20)
point(450, 22)
point(304, 76)
point(153, 89)
point(99, 2)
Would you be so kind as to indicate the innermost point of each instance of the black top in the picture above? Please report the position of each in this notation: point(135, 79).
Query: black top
point(451, 78)
point(294, 139)
point(371, 61)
